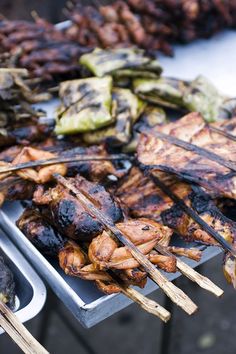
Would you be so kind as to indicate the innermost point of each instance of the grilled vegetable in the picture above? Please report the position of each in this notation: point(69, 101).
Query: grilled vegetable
point(199, 95)
point(86, 105)
point(122, 63)
point(167, 92)
point(202, 96)
point(126, 110)
point(7, 285)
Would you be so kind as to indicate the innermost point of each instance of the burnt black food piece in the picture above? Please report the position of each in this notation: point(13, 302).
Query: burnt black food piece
point(7, 284)
point(40, 232)
point(65, 212)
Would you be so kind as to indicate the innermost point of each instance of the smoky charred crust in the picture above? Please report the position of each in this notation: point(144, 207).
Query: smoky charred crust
point(7, 284)
point(69, 217)
point(172, 216)
point(22, 190)
point(40, 232)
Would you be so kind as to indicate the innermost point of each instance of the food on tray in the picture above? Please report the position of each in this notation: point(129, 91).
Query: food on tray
point(122, 62)
point(192, 166)
point(126, 108)
point(198, 95)
point(7, 284)
point(86, 105)
point(148, 24)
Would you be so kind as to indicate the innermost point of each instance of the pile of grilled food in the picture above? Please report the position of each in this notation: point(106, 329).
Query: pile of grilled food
point(50, 54)
point(149, 24)
point(112, 180)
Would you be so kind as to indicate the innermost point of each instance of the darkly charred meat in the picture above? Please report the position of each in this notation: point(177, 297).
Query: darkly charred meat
point(40, 233)
point(72, 219)
point(93, 170)
point(25, 133)
point(220, 181)
point(142, 198)
point(7, 284)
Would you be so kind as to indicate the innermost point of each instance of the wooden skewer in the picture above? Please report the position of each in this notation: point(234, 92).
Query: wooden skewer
point(190, 212)
point(175, 294)
point(15, 70)
point(17, 331)
point(192, 274)
point(222, 132)
point(66, 159)
point(147, 304)
point(191, 147)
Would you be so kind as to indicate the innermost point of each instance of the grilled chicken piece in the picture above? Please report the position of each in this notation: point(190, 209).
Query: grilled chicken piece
point(95, 171)
point(105, 253)
point(41, 174)
point(143, 199)
point(217, 179)
point(65, 210)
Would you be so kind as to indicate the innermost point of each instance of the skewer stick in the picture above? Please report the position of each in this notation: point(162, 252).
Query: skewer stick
point(147, 304)
point(175, 294)
point(66, 159)
point(190, 212)
point(192, 274)
point(191, 147)
point(222, 132)
point(17, 331)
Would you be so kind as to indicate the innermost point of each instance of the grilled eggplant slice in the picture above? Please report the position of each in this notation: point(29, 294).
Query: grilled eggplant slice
point(7, 284)
point(86, 105)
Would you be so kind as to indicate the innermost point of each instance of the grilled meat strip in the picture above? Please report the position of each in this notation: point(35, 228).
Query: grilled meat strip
point(66, 211)
point(220, 181)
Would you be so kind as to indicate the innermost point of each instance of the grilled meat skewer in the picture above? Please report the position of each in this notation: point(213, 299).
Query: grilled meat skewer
point(176, 294)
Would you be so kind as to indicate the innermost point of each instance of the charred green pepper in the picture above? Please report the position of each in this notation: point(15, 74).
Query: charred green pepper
point(86, 105)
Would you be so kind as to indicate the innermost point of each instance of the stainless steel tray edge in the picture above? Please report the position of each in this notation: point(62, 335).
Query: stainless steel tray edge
point(39, 290)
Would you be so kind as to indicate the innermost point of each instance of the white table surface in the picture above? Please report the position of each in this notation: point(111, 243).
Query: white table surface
point(214, 58)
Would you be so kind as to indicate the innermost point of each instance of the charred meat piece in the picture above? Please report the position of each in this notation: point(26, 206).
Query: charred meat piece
point(59, 205)
point(7, 284)
point(73, 258)
point(24, 133)
point(219, 180)
point(40, 233)
point(143, 199)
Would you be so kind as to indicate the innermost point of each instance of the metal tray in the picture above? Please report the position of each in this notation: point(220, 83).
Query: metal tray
point(30, 290)
point(81, 297)
point(88, 305)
